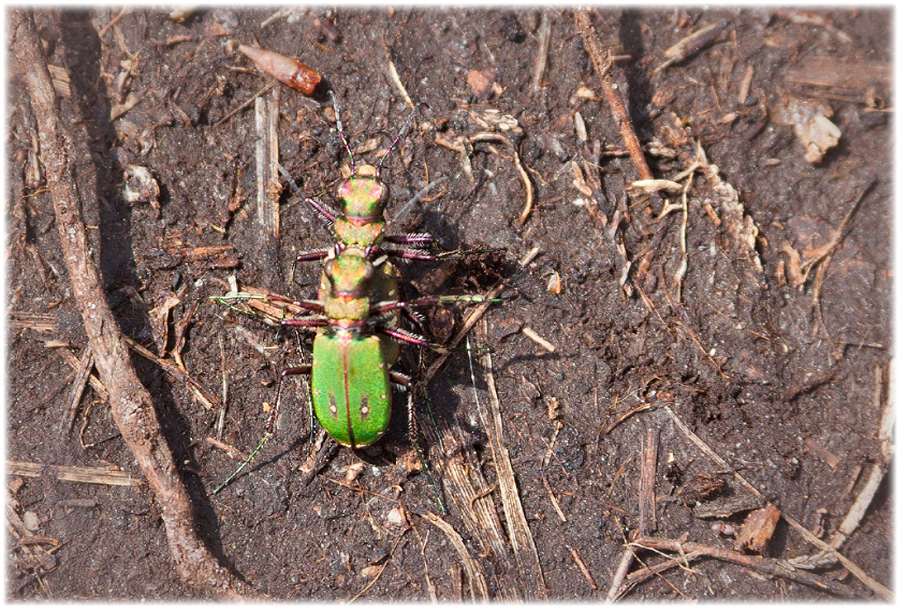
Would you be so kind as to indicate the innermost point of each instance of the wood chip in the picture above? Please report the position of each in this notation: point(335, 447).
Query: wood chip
point(39, 322)
point(537, 338)
point(757, 530)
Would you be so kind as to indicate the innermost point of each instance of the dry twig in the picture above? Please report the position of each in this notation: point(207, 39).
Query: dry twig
point(175, 373)
point(603, 66)
point(91, 475)
point(244, 105)
point(473, 570)
point(540, 64)
point(517, 525)
point(760, 564)
point(647, 494)
point(689, 45)
point(583, 568)
point(395, 78)
point(875, 586)
point(82, 373)
point(268, 186)
point(132, 406)
point(529, 190)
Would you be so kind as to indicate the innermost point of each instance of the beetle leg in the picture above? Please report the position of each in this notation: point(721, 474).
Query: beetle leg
point(385, 307)
point(409, 386)
point(270, 428)
point(340, 126)
point(453, 254)
point(417, 240)
point(405, 336)
point(396, 139)
point(305, 323)
point(415, 317)
point(310, 305)
point(304, 369)
point(407, 383)
point(313, 255)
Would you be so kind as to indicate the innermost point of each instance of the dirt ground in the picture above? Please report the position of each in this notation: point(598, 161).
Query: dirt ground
point(755, 317)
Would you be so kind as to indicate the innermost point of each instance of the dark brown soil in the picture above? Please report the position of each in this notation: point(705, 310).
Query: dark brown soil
point(788, 393)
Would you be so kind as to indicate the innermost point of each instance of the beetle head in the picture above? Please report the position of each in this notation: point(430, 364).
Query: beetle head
point(363, 196)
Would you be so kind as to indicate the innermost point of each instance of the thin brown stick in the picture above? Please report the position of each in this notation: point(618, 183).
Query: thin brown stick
point(268, 185)
point(583, 568)
point(760, 564)
point(82, 373)
point(175, 373)
point(518, 530)
point(220, 418)
point(231, 450)
point(529, 189)
point(244, 105)
point(132, 407)
point(553, 500)
point(39, 322)
point(73, 363)
point(540, 64)
point(113, 21)
point(647, 494)
point(603, 66)
point(395, 78)
point(615, 589)
point(691, 44)
point(645, 573)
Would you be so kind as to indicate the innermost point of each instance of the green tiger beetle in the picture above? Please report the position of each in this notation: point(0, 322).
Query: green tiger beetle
point(357, 314)
point(353, 351)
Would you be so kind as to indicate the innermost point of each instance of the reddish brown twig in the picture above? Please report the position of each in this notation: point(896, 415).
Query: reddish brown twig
point(603, 66)
point(132, 407)
point(605, 70)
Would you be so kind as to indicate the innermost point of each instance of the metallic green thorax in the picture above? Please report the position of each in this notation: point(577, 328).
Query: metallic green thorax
point(351, 388)
point(381, 287)
point(363, 197)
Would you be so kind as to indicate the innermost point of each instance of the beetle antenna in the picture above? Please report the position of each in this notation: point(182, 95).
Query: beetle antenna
point(403, 131)
point(340, 126)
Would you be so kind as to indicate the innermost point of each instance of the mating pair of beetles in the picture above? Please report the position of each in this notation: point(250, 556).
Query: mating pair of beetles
point(357, 314)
